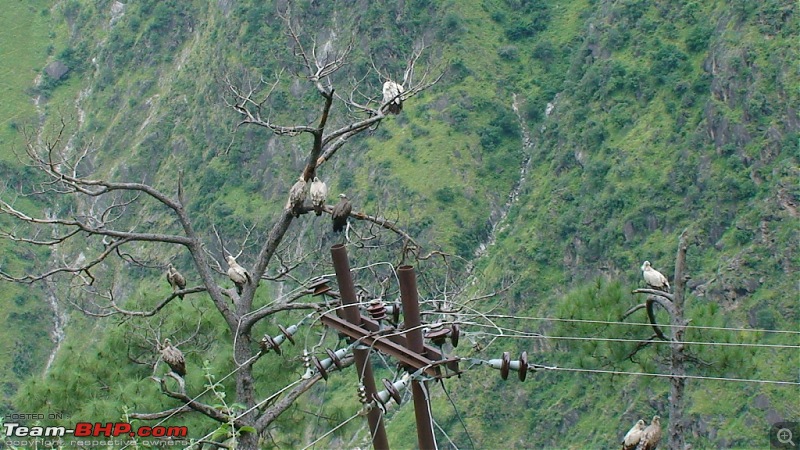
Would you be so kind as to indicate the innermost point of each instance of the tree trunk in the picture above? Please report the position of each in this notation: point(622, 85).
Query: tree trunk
point(245, 391)
point(677, 357)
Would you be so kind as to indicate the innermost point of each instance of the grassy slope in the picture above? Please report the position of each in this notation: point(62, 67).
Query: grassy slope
point(25, 39)
point(432, 164)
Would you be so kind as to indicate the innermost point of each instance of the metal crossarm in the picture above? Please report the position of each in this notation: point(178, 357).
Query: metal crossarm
point(386, 345)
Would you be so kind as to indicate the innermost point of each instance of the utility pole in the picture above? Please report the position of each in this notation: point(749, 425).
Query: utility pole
point(350, 311)
point(419, 390)
point(409, 349)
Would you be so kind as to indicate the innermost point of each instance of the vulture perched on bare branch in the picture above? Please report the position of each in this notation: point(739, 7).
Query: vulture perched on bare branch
point(237, 274)
point(393, 94)
point(651, 435)
point(297, 196)
point(318, 192)
point(174, 358)
point(176, 280)
point(654, 278)
point(632, 438)
point(340, 213)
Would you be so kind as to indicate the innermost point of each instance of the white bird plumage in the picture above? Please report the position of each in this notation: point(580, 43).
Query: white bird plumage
point(654, 278)
point(237, 274)
point(393, 94)
point(297, 196)
point(632, 438)
point(318, 193)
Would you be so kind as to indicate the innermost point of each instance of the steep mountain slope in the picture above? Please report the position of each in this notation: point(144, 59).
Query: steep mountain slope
point(26, 327)
point(645, 118)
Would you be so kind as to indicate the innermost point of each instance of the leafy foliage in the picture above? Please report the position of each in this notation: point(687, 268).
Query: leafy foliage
point(664, 116)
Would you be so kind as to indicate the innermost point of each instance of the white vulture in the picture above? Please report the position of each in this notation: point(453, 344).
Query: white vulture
point(237, 274)
point(318, 193)
point(340, 213)
point(651, 435)
point(632, 438)
point(654, 278)
point(297, 196)
point(174, 358)
point(393, 92)
point(176, 280)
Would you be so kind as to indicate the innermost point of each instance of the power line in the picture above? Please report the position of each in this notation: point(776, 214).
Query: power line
point(332, 430)
point(251, 409)
point(210, 387)
point(480, 362)
point(458, 414)
point(664, 375)
point(524, 335)
point(517, 334)
point(641, 324)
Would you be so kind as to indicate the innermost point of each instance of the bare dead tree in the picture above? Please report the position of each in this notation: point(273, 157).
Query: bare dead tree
point(104, 217)
point(673, 304)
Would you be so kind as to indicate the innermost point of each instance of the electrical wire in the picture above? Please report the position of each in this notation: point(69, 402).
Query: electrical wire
point(517, 334)
point(664, 375)
point(447, 436)
point(458, 414)
point(258, 405)
point(480, 362)
point(256, 356)
point(205, 391)
point(332, 430)
point(241, 319)
point(641, 324)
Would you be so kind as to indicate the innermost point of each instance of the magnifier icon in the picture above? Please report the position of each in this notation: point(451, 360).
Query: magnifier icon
point(785, 436)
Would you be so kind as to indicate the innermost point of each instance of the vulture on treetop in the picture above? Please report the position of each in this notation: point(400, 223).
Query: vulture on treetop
point(176, 280)
point(340, 213)
point(654, 278)
point(393, 92)
point(174, 358)
point(237, 274)
point(651, 435)
point(297, 196)
point(318, 192)
point(632, 438)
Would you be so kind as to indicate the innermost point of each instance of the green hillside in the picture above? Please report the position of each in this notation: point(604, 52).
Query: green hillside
point(565, 143)
point(27, 38)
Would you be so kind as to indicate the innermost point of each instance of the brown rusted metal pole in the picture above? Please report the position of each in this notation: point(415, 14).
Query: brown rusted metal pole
point(350, 311)
point(419, 390)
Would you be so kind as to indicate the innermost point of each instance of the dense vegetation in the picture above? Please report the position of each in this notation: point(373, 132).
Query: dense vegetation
point(644, 118)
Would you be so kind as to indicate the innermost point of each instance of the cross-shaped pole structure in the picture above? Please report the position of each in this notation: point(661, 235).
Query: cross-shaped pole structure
point(409, 348)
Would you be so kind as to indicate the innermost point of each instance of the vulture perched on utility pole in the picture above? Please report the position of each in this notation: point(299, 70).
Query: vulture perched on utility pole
point(237, 274)
point(654, 278)
point(393, 93)
point(174, 358)
point(297, 197)
point(176, 280)
point(632, 438)
point(651, 435)
point(318, 193)
point(340, 213)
